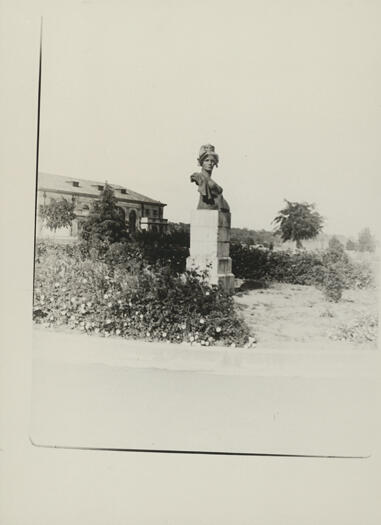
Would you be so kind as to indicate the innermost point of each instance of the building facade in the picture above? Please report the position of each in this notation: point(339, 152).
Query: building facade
point(140, 212)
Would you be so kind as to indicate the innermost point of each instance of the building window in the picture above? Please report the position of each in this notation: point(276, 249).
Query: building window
point(123, 191)
point(100, 187)
point(75, 183)
point(155, 213)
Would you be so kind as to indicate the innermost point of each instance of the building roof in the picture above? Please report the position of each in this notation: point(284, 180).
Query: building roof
point(60, 183)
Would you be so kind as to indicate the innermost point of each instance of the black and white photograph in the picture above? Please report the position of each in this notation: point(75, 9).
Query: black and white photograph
point(201, 262)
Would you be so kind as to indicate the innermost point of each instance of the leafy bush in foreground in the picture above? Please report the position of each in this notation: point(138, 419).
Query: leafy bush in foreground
point(136, 300)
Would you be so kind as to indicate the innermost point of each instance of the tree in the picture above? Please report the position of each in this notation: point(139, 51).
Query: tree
point(366, 241)
point(298, 221)
point(351, 245)
point(57, 214)
point(106, 221)
point(335, 245)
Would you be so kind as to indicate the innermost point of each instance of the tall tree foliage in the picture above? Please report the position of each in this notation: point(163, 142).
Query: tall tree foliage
point(57, 214)
point(105, 222)
point(335, 245)
point(366, 241)
point(351, 245)
point(298, 221)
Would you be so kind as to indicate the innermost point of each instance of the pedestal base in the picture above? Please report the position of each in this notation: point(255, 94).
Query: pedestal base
point(209, 247)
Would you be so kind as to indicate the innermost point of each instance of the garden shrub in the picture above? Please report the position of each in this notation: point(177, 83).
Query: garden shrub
point(341, 273)
point(249, 263)
point(150, 247)
point(169, 249)
point(138, 300)
point(331, 269)
point(302, 268)
point(281, 266)
point(333, 283)
point(363, 329)
point(334, 278)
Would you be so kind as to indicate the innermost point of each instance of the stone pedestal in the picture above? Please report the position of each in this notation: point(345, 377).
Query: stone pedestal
point(209, 246)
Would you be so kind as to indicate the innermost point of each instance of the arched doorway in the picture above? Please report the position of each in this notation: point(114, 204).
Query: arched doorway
point(122, 213)
point(132, 222)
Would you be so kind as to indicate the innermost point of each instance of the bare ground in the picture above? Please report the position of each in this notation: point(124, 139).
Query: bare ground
point(286, 316)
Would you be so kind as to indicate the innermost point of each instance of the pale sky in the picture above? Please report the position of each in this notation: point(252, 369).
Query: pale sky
point(287, 91)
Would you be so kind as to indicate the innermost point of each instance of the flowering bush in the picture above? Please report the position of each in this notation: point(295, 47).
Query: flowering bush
point(132, 300)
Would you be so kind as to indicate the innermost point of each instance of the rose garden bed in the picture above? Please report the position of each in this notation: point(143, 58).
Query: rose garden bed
point(136, 300)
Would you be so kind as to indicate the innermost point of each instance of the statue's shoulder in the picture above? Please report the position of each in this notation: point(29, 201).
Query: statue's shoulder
point(196, 176)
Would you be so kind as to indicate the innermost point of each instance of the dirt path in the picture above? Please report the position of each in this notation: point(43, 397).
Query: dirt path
point(286, 316)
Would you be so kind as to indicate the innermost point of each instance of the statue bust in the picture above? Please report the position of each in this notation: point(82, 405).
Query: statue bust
point(210, 192)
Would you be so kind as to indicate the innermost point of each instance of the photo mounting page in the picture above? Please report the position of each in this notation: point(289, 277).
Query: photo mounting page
point(201, 285)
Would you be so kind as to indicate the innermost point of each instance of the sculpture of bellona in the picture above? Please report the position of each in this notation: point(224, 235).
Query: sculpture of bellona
point(210, 225)
point(211, 197)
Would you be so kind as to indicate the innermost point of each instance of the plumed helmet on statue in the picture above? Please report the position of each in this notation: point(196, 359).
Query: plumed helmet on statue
point(205, 150)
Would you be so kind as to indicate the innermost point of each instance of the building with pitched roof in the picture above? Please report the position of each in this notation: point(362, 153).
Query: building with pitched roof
point(140, 212)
